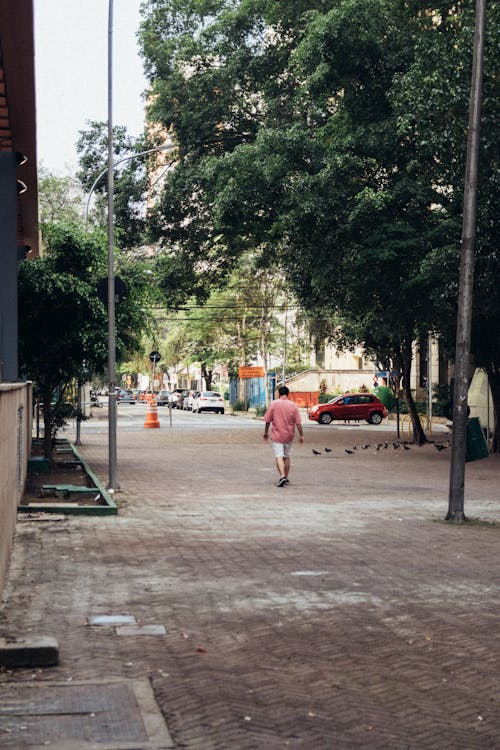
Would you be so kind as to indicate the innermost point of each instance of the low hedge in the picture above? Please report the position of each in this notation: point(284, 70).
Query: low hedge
point(439, 408)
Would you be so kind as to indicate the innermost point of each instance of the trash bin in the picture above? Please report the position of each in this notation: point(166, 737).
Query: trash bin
point(476, 442)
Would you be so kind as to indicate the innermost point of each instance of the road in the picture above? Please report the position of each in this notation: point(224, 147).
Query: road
point(132, 417)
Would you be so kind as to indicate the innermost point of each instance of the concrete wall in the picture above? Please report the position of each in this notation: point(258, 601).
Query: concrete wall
point(15, 447)
point(336, 380)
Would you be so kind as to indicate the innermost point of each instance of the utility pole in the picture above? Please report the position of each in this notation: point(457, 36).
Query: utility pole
point(464, 313)
point(113, 482)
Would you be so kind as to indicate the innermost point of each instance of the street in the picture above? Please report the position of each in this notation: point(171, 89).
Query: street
point(132, 416)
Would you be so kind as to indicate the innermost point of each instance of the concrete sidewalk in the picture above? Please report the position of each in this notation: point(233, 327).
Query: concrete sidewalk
point(336, 613)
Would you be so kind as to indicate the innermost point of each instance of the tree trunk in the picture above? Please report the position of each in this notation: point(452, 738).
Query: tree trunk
point(418, 431)
point(47, 428)
point(207, 376)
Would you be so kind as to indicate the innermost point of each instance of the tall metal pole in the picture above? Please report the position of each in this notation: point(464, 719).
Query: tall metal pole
point(113, 483)
point(464, 313)
point(79, 406)
point(429, 380)
point(283, 375)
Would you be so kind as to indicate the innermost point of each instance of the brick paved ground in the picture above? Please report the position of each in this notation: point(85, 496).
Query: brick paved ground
point(336, 613)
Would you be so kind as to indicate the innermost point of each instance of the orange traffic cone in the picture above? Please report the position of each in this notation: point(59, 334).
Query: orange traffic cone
point(152, 414)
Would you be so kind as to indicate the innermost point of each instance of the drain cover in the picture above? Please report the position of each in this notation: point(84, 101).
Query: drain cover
point(108, 715)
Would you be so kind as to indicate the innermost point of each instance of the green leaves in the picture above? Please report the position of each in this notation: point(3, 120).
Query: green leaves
point(331, 136)
point(68, 323)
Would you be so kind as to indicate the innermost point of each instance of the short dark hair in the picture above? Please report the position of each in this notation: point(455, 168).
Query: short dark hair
point(283, 390)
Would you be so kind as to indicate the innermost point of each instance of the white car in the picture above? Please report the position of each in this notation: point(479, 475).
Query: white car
point(187, 404)
point(208, 401)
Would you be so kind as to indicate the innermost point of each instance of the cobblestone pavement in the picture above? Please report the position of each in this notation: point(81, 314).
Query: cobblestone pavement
point(336, 613)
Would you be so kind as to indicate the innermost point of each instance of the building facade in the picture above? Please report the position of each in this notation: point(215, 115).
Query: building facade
point(18, 240)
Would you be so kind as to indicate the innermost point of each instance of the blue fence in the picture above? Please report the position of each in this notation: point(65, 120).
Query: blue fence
point(251, 392)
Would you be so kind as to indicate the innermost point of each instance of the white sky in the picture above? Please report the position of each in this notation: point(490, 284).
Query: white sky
point(71, 69)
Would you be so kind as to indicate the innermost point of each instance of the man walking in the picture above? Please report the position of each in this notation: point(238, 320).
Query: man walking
point(284, 417)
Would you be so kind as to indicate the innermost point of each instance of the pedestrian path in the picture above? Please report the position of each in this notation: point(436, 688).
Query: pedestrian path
point(337, 612)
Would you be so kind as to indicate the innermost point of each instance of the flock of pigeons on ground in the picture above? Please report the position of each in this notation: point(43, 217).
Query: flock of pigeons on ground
point(377, 446)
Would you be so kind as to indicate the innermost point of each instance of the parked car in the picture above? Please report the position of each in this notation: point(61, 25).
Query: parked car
point(350, 406)
point(162, 398)
point(175, 397)
point(124, 397)
point(187, 403)
point(208, 401)
point(180, 402)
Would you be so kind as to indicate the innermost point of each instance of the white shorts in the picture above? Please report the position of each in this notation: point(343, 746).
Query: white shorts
point(282, 450)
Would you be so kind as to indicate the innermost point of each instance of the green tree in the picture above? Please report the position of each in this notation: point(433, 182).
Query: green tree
point(432, 100)
point(315, 178)
point(331, 134)
point(215, 72)
point(62, 321)
point(60, 199)
point(234, 326)
point(130, 183)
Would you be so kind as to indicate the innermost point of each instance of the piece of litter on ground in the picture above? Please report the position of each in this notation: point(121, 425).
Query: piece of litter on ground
point(141, 630)
point(111, 620)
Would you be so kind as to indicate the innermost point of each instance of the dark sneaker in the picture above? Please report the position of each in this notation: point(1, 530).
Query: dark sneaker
point(282, 482)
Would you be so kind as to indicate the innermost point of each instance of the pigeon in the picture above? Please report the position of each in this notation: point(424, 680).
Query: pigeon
point(386, 445)
point(348, 451)
point(316, 453)
point(328, 450)
point(365, 447)
point(439, 447)
point(378, 446)
point(406, 447)
point(395, 445)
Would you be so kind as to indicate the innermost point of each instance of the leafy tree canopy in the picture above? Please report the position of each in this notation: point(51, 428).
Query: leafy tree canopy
point(60, 199)
point(62, 320)
point(333, 135)
point(130, 180)
point(235, 325)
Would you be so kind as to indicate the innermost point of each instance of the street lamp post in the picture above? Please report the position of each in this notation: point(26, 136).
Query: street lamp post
point(464, 314)
point(112, 412)
point(113, 482)
point(112, 485)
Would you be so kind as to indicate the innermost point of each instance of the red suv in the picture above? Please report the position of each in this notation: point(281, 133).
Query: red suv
point(350, 406)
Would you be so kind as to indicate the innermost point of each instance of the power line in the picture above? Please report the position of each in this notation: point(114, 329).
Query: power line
point(222, 307)
point(208, 320)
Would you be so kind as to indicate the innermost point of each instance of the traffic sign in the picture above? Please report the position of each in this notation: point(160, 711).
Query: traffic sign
point(155, 356)
point(120, 290)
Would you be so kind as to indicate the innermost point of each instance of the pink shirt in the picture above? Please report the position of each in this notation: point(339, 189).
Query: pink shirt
point(284, 416)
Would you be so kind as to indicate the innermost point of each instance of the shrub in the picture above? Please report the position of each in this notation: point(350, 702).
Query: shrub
point(325, 397)
point(439, 408)
point(240, 406)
